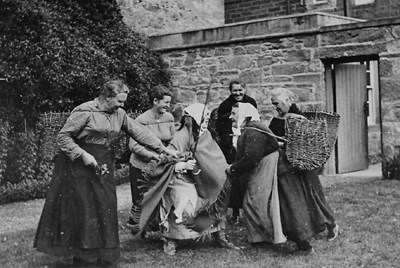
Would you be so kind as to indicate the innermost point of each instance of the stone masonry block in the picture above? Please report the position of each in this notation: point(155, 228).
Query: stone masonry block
point(265, 61)
point(239, 62)
point(239, 51)
point(253, 76)
point(298, 55)
point(353, 36)
point(187, 95)
point(190, 59)
point(222, 51)
point(277, 79)
point(390, 89)
point(386, 67)
point(289, 69)
point(206, 52)
point(209, 61)
point(253, 49)
point(350, 50)
point(308, 78)
point(310, 41)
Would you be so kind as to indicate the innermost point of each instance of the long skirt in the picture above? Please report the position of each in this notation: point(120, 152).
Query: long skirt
point(261, 203)
point(304, 210)
point(79, 217)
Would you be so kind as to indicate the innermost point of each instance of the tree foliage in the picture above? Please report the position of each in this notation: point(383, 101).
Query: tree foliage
point(56, 54)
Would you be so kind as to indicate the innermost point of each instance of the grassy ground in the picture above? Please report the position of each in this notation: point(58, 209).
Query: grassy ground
point(367, 212)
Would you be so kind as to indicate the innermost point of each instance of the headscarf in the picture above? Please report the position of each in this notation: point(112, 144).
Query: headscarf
point(245, 110)
point(196, 111)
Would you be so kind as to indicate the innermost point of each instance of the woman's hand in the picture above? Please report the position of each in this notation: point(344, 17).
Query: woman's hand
point(89, 160)
point(190, 164)
point(228, 170)
point(183, 166)
point(171, 152)
point(154, 156)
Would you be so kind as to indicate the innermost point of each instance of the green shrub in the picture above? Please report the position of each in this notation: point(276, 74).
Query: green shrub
point(27, 160)
point(4, 147)
point(56, 54)
point(23, 191)
point(391, 168)
point(21, 158)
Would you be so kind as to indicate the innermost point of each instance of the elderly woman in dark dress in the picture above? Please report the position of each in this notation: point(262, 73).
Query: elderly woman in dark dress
point(79, 217)
point(256, 162)
point(304, 210)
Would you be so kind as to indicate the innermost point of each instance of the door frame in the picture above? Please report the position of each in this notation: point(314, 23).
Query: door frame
point(331, 166)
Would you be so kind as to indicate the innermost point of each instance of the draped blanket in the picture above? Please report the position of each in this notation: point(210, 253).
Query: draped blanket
point(211, 183)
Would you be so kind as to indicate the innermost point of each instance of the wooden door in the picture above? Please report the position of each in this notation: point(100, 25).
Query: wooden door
point(351, 97)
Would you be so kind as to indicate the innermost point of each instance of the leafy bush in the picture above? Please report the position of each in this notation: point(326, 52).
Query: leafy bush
point(27, 160)
point(4, 147)
point(391, 168)
point(56, 54)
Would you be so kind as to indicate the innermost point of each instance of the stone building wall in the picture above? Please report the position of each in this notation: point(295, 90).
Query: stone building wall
point(166, 16)
point(292, 60)
point(263, 66)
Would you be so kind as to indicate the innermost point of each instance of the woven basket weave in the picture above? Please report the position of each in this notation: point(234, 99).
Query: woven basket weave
point(53, 122)
point(311, 140)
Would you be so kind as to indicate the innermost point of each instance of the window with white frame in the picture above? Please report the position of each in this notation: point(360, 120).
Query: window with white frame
point(373, 92)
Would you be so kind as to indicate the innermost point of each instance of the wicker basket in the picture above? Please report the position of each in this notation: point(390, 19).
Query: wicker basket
point(53, 122)
point(311, 140)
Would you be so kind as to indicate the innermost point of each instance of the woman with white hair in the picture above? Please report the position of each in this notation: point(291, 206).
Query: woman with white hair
point(256, 162)
point(191, 194)
point(304, 209)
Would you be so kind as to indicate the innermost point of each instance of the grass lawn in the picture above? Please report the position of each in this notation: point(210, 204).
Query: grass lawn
point(368, 214)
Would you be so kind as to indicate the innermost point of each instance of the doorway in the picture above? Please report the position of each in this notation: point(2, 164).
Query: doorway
point(353, 92)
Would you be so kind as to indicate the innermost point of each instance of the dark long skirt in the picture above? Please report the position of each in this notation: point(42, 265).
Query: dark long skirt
point(140, 184)
point(304, 210)
point(79, 217)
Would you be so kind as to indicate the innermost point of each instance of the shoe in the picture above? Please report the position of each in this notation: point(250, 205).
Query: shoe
point(170, 246)
point(305, 248)
point(309, 251)
point(220, 240)
point(134, 227)
point(332, 233)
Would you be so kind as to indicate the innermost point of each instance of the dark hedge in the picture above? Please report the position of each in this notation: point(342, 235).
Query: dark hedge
point(56, 54)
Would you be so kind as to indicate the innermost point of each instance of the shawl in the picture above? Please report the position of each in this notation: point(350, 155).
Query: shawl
point(210, 183)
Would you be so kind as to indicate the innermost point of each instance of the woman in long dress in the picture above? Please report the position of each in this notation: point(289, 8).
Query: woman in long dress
point(304, 209)
point(193, 192)
point(256, 162)
point(161, 123)
point(79, 217)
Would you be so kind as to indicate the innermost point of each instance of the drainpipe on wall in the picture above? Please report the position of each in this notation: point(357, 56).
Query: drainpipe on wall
point(289, 10)
point(345, 8)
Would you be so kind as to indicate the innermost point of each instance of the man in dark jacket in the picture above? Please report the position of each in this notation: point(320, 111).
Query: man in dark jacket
point(224, 130)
